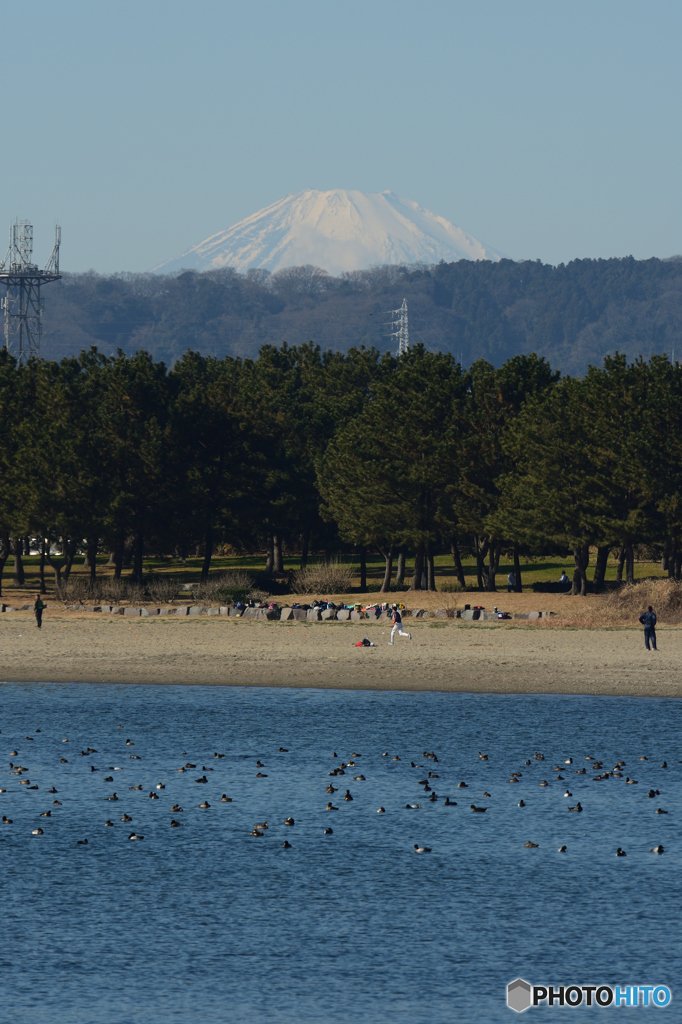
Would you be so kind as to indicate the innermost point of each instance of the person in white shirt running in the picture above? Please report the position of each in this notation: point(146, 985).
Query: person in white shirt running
point(397, 624)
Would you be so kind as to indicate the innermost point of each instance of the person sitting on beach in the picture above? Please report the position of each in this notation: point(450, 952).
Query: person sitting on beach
point(397, 624)
point(564, 578)
point(648, 620)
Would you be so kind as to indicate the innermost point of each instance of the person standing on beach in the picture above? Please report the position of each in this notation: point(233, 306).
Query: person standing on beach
point(648, 620)
point(397, 620)
point(511, 582)
point(38, 609)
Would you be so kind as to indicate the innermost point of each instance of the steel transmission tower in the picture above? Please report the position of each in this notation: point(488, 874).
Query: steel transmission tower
point(399, 321)
point(22, 280)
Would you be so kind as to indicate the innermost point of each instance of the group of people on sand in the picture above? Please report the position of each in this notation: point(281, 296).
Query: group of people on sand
point(647, 619)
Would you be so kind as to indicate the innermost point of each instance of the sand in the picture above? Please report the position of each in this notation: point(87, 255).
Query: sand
point(495, 657)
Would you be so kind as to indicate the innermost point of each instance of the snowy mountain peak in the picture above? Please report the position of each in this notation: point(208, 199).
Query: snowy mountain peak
point(340, 230)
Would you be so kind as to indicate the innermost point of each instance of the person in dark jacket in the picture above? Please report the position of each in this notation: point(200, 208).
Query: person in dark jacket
point(38, 609)
point(648, 620)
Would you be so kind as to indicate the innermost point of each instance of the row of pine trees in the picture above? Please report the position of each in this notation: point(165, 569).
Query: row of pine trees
point(329, 452)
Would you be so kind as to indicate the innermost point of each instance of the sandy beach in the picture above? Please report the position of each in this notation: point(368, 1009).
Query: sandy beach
point(447, 656)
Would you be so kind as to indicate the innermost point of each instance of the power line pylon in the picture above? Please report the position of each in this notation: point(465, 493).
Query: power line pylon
point(22, 279)
point(399, 320)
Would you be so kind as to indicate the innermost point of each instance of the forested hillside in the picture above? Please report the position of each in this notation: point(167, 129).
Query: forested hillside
point(573, 314)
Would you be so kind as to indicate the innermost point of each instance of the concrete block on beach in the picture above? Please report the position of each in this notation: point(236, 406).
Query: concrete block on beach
point(235, 612)
point(343, 614)
point(328, 613)
point(92, 608)
point(533, 615)
point(213, 611)
point(313, 615)
point(197, 609)
point(132, 611)
point(117, 610)
point(272, 614)
point(300, 614)
point(250, 613)
point(166, 611)
point(224, 609)
point(356, 616)
point(106, 607)
point(419, 613)
point(441, 613)
point(468, 613)
point(148, 613)
point(182, 610)
point(521, 615)
point(287, 614)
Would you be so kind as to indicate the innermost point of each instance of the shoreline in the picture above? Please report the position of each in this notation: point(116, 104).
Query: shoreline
point(443, 656)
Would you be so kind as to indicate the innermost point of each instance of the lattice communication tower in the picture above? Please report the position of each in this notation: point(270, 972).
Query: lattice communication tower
point(22, 279)
point(402, 332)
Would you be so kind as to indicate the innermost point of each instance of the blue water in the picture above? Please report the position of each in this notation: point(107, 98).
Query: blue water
point(205, 923)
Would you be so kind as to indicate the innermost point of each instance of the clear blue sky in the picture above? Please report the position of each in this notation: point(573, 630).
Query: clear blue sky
point(547, 129)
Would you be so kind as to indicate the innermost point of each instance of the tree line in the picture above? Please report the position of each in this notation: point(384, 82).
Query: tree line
point(572, 314)
point(337, 453)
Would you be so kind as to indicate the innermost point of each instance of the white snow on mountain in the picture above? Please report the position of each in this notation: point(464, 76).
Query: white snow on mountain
point(340, 230)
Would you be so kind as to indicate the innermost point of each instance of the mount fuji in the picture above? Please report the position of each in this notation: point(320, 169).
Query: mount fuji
point(340, 230)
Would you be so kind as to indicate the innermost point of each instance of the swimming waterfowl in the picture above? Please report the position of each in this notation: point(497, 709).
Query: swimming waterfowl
point(56, 803)
point(174, 823)
point(256, 832)
point(176, 808)
point(259, 775)
point(153, 796)
point(479, 810)
point(359, 778)
point(62, 760)
point(112, 797)
point(664, 765)
point(412, 807)
point(330, 808)
point(433, 775)
point(543, 783)
point(126, 817)
point(567, 793)
point(81, 842)
point(286, 845)
point(381, 810)
point(281, 750)
point(449, 802)
point(329, 831)
point(202, 779)
point(46, 814)
point(580, 771)
point(14, 753)
point(109, 824)
point(135, 787)
point(620, 853)
point(109, 778)
point(160, 785)
point(422, 849)
point(205, 804)
point(487, 795)
point(7, 821)
point(483, 757)
point(577, 808)
point(330, 789)
point(531, 846)
point(562, 849)
point(259, 764)
point(133, 835)
point(642, 758)
point(433, 798)
point(36, 832)
point(660, 810)
point(225, 799)
point(569, 760)
point(462, 785)
point(53, 790)
point(289, 821)
point(630, 782)
point(656, 849)
point(512, 779)
point(348, 796)
point(129, 743)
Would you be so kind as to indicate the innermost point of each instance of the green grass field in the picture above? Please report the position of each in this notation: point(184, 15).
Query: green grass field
point(536, 570)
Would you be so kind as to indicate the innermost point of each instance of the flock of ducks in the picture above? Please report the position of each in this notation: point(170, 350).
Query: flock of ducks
point(596, 767)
